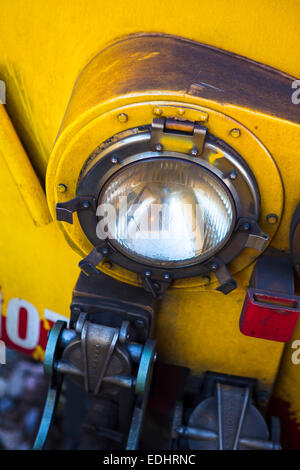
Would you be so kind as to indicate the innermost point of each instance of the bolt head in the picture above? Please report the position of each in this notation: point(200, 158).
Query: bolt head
point(232, 174)
point(246, 226)
point(104, 250)
point(235, 133)
point(114, 159)
point(158, 147)
point(148, 273)
point(167, 276)
point(180, 111)
point(85, 204)
point(122, 117)
point(272, 218)
point(157, 111)
point(194, 152)
point(62, 188)
point(203, 117)
point(214, 266)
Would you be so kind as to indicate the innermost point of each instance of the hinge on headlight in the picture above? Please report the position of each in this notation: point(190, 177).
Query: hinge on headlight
point(166, 132)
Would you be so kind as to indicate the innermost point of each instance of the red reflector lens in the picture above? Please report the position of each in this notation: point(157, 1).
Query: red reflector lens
point(266, 299)
point(268, 316)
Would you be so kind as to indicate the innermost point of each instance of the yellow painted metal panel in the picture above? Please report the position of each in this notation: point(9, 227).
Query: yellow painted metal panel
point(13, 154)
point(43, 48)
point(34, 263)
point(81, 137)
point(42, 51)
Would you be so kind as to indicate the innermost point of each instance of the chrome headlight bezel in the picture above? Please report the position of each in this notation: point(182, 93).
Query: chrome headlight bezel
point(229, 168)
point(166, 158)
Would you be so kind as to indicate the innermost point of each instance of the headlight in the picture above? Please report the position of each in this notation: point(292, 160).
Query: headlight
point(166, 212)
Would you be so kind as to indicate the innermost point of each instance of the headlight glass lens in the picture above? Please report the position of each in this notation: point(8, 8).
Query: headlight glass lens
point(165, 212)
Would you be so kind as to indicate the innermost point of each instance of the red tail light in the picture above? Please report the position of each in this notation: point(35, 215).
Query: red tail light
point(269, 316)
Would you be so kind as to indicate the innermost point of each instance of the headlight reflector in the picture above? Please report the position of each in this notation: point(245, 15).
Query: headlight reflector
point(168, 212)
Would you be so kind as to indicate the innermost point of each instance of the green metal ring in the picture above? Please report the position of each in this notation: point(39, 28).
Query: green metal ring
point(145, 367)
point(52, 343)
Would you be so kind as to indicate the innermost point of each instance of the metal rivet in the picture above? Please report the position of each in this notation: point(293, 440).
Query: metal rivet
point(246, 226)
point(180, 111)
point(148, 273)
point(214, 266)
point(194, 152)
point(203, 117)
point(232, 175)
point(85, 204)
point(158, 147)
point(157, 111)
point(62, 188)
point(167, 276)
point(235, 132)
point(122, 117)
point(114, 159)
point(272, 218)
point(104, 250)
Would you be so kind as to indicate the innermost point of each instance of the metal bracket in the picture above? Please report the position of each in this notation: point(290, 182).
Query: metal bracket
point(226, 420)
point(183, 130)
point(64, 210)
point(271, 309)
point(142, 388)
point(54, 385)
point(257, 239)
point(156, 287)
point(227, 283)
point(99, 294)
point(89, 263)
point(97, 346)
point(97, 356)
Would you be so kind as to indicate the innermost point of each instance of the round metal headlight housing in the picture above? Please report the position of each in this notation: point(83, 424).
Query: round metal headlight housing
point(166, 212)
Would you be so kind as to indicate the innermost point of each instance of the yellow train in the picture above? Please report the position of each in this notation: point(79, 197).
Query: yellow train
point(149, 193)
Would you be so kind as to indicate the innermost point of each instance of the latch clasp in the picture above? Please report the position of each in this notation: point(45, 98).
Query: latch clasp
point(165, 132)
